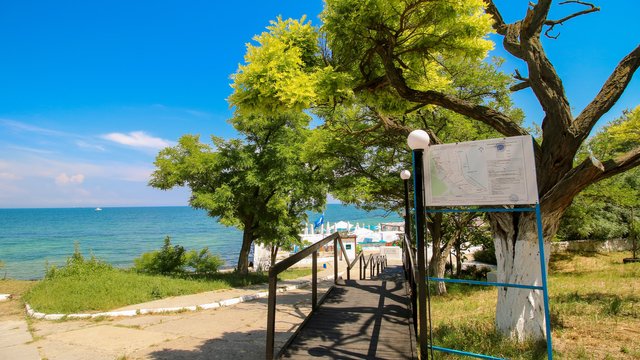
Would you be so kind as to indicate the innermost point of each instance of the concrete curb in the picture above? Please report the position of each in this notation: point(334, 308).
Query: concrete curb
point(128, 313)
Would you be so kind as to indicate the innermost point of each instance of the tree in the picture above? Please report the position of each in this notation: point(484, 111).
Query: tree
point(395, 55)
point(604, 209)
point(262, 184)
point(395, 46)
point(367, 140)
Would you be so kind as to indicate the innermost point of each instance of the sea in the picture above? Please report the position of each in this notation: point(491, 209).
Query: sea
point(33, 239)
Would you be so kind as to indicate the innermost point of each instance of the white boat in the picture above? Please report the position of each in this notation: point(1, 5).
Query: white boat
point(98, 209)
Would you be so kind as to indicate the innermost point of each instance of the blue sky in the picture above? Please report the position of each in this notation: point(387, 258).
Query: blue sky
point(90, 91)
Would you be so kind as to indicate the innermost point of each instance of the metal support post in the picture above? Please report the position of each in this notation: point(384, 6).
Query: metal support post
point(418, 200)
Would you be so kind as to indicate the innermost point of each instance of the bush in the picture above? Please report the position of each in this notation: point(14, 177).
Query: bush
point(175, 260)
point(487, 255)
point(77, 266)
point(169, 259)
point(203, 261)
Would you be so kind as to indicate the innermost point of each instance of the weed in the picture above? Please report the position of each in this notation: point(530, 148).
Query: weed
point(614, 306)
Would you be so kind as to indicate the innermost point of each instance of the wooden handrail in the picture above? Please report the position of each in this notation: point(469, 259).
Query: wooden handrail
point(292, 260)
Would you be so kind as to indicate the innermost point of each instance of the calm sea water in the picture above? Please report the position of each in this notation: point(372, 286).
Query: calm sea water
point(32, 238)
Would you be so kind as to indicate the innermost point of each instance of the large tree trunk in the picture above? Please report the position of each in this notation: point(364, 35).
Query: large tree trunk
point(520, 312)
point(439, 251)
point(243, 258)
point(437, 266)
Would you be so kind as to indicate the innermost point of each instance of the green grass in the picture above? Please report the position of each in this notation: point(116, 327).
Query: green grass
point(106, 288)
point(595, 311)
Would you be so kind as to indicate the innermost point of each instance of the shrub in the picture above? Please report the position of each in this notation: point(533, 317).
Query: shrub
point(77, 266)
point(175, 260)
point(487, 255)
point(169, 259)
point(203, 262)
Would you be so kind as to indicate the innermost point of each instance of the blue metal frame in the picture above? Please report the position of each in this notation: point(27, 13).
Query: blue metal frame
point(543, 273)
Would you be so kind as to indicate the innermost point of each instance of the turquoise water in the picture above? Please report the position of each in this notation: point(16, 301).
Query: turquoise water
point(32, 238)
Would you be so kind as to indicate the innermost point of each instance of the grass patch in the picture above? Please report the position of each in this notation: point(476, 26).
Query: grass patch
point(294, 273)
point(106, 288)
point(595, 313)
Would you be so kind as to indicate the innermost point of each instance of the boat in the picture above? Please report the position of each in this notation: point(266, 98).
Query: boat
point(98, 209)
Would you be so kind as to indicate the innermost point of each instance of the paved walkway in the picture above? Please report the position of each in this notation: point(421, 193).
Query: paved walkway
point(15, 340)
point(231, 332)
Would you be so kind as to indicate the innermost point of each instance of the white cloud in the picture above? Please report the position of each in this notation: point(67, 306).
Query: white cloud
point(64, 179)
point(138, 139)
point(85, 145)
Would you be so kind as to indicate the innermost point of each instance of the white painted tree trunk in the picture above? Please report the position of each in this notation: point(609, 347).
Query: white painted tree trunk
point(519, 312)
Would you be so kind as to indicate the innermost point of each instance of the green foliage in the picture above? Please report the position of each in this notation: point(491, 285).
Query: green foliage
point(168, 260)
point(279, 69)
point(77, 266)
point(263, 184)
point(603, 210)
point(423, 33)
point(175, 260)
point(203, 261)
point(487, 255)
point(593, 218)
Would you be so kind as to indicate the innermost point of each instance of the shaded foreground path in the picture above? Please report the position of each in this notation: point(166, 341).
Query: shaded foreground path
point(363, 319)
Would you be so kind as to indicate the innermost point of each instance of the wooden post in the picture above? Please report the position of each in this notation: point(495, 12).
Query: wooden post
point(271, 314)
point(314, 280)
point(335, 261)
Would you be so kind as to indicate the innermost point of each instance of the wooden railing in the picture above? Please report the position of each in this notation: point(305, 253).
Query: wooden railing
point(379, 262)
point(411, 275)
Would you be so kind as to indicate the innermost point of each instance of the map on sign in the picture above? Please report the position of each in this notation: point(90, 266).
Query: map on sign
point(487, 172)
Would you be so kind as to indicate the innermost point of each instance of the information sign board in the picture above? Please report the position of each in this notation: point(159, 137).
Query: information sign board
point(486, 172)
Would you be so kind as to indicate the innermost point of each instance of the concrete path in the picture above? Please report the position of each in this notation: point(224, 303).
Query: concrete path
point(16, 341)
point(235, 332)
point(231, 332)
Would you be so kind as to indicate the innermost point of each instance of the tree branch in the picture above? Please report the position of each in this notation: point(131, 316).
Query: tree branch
point(588, 172)
point(553, 23)
point(535, 18)
point(608, 95)
point(372, 84)
point(523, 84)
point(511, 32)
point(498, 22)
point(499, 121)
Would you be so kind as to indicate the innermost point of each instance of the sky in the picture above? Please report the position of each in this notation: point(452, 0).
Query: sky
point(91, 91)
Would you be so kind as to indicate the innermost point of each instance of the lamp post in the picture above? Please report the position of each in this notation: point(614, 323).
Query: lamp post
point(405, 175)
point(418, 141)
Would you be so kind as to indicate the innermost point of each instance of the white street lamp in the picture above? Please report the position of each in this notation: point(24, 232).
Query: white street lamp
point(418, 139)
